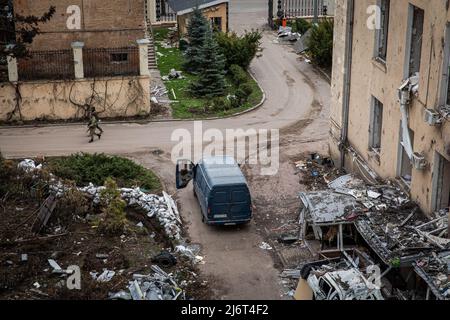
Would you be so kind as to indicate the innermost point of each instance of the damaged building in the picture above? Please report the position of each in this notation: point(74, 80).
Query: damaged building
point(390, 107)
point(381, 221)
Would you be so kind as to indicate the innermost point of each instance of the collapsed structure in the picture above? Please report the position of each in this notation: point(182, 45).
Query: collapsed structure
point(402, 240)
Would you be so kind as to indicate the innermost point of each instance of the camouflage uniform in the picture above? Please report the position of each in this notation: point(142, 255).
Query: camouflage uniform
point(93, 125)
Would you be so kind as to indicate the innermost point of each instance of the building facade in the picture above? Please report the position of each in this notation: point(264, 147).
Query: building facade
point(99, 24)
point(89, 54)
point(216, 11)
point(391, 94)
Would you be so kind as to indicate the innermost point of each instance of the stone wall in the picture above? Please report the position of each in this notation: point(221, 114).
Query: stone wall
point(64, 100)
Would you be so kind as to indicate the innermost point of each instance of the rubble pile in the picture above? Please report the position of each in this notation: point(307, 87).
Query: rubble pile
point(110, 265)
point(156, 286)
point(173, 74)
point(162, 207)
point(317, 172)
point(387, 223)
point(286, 34)
point(435, 270)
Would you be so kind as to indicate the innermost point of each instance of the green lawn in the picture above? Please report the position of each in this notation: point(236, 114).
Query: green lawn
point(172, 58)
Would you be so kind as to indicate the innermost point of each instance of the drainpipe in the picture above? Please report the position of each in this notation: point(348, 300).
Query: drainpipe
point(347, 79)
point(316, 12)
point(404, 95)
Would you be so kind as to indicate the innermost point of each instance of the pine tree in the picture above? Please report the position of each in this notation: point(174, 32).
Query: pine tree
point(196, 31)
point(211, 79)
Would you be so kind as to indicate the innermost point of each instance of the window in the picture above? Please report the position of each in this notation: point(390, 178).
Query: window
point(216, 23)
point(441, 183)
point(119, 57)
point(376, 125)
point(416, 33)
point(445, 89)
point(382, 33)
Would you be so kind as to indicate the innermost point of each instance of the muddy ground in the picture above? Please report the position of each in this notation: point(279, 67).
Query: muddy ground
point(71, 238)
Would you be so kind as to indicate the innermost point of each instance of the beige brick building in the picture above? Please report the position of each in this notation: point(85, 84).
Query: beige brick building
point(378, 44)
point(99, 24)
point(90, 54)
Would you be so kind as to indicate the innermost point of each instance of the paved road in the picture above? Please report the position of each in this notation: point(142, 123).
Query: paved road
point(239, 269)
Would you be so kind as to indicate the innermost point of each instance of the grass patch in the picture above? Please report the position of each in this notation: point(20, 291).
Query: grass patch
point(83, 168)
point(172, 58)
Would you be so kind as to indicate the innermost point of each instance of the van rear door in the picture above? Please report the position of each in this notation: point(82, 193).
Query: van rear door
point(240, 203)
point(231, 203)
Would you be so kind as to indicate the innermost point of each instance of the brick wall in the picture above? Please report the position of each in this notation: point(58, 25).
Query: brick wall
point(104, 23)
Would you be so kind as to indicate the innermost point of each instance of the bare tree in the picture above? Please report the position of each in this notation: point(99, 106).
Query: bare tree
point(17, 32)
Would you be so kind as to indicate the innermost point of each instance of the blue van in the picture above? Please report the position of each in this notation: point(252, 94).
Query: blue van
point(220, 187)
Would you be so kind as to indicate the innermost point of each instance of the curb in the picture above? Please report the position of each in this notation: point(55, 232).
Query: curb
point(263, 100)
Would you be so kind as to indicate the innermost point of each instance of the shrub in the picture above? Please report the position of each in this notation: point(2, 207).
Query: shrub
point(301, 25)
point(183, 44)
point(239, 50)
point(243, 93)
point(321, 43)
point(238, 75)
point(114, 219)
point(83, 168)
point(221, 104)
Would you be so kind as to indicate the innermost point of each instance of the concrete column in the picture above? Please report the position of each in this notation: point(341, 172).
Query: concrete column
point(143, 56)
point(151, 8)
point(78, 59)
point(13, 74)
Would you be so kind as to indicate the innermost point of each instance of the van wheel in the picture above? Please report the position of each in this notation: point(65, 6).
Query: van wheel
point(203, 218)
point(195, 194)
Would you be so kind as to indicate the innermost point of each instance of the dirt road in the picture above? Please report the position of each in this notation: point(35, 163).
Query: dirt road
point(297, 103)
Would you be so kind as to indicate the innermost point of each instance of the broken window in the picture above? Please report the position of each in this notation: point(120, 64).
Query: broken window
point(405, 162)
point(382, 33)
point(441, 183)
point(324, 287)
point(416, 31)
point(119, 57)
point(446, 69)
point(376, 125)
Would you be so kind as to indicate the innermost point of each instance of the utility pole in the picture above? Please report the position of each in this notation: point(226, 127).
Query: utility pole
point(316, 12)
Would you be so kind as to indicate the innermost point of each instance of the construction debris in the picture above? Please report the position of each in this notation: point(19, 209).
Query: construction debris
point(434, 269)
point(173, 75)
point(344, 278)
point(156, 286)
point(317, 172)
point(105, 276)
point(162, 208)
point(265, 246)
point(190, 252)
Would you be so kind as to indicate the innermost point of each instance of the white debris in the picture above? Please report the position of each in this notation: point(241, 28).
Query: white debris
point(189, 252)
point(162, 208)
point(54, 265)
point(265, 246)
point(29, 165)
point(106, 275)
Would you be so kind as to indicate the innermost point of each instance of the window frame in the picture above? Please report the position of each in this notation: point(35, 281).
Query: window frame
point(382, 34)
point(376, 127)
